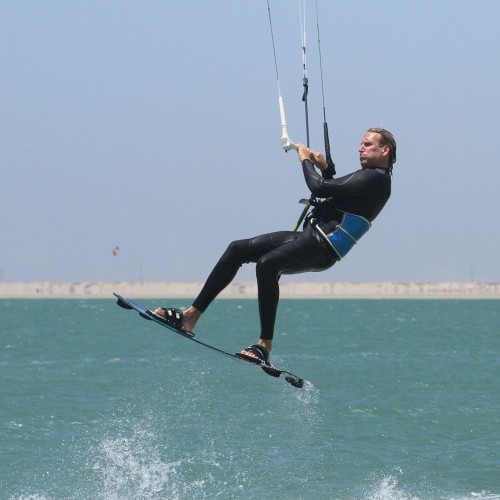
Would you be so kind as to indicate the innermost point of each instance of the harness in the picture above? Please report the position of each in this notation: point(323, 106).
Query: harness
point(346, 234)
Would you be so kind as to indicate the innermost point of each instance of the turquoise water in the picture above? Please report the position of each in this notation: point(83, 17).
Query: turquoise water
point(402, 402)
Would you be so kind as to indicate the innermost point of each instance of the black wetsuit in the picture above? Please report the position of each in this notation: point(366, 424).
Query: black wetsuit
point(363, 192)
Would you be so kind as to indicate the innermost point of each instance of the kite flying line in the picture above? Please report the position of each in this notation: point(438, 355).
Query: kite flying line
point(325, 124)
point(326, 137)
point(305, 80)
point(286, 142)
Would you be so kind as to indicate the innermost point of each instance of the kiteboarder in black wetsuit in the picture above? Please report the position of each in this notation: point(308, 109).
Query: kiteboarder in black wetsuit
point(343, 209)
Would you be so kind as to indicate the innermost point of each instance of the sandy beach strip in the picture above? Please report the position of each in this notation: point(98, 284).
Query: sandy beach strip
point(248, 290)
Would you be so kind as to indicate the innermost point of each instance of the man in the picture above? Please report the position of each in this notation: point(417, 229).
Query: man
point(343, 213)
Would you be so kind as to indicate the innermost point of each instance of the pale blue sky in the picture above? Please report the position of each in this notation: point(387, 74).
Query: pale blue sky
point(154, 126)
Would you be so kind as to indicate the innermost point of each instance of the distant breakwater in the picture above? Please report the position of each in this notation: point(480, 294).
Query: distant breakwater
point(243, 290)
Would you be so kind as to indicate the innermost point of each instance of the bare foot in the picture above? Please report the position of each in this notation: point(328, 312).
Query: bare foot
point(265, 343)
point(189, 317)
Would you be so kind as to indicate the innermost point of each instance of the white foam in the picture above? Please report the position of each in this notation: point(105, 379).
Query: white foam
point(132, 467)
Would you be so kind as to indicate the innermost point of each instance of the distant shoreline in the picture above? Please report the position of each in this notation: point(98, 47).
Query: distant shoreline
point(248, 290)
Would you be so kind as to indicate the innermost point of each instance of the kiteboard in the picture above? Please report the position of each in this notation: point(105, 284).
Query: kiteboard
point(150, 316)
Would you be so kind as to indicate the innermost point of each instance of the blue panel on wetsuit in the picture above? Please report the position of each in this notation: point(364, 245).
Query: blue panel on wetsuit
point(352, 228)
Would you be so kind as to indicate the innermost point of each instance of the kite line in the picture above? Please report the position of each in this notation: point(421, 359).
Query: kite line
point(286, 142)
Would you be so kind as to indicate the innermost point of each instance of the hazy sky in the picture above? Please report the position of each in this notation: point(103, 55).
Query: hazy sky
point(154, 126)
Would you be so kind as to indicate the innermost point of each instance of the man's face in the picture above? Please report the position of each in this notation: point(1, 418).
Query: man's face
point(371, 153)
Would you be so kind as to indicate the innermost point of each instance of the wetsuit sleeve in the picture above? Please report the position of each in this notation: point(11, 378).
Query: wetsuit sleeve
point(354, 184)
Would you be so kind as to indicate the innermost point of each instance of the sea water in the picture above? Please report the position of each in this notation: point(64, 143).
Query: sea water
point(402, 401)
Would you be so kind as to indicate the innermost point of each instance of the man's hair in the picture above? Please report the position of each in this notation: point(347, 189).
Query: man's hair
point(387, 139)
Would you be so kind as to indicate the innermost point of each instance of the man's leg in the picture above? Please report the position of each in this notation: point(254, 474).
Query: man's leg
point(237, 253)
point(302, 254)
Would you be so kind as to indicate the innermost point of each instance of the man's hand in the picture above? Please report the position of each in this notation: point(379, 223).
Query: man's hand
point(308, 154)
